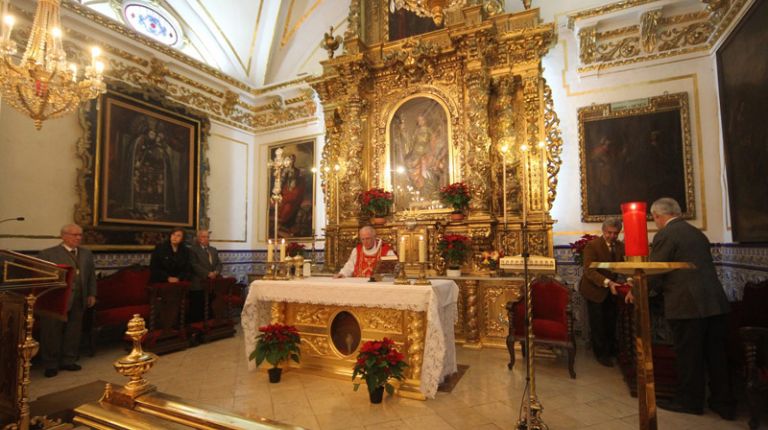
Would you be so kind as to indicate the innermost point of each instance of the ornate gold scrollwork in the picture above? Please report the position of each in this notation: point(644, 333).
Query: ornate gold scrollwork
point(312, 315)
point(649, 29)
point(416, 331)
point(388, 320)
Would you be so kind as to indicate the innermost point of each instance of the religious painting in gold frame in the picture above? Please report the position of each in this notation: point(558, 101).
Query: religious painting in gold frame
point(636, 150)
point(148, 157)
point(420, 153)
point(297, 207)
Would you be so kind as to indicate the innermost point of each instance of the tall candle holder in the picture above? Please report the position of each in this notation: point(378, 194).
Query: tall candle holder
point(270, 272)
point(422, 279)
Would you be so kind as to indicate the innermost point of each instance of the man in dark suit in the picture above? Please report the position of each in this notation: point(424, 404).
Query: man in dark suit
point(60, 340)
point(696, 307)
point(596, 285)
point(205, 266)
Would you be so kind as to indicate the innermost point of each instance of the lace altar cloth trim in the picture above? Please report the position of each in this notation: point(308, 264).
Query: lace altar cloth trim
point(438, 299)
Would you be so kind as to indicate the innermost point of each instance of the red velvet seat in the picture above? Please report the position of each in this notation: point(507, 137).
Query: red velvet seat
point(217, 323)
point(118, 297)
point(552, 320)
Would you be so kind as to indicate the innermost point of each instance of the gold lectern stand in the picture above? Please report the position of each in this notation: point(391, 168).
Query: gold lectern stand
point(646, 389)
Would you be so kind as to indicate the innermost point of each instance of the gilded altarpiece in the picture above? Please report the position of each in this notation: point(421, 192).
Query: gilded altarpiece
point(436, 108)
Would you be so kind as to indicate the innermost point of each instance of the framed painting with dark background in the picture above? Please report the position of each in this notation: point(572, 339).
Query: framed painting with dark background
point(295, 214)
point(742, 63)
point(149, 170)
point(636, 150)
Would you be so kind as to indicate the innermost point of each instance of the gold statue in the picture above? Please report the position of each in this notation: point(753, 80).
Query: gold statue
point(331, 43)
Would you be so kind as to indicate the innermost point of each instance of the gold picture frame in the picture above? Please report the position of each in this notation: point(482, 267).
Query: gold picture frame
point(635, 150)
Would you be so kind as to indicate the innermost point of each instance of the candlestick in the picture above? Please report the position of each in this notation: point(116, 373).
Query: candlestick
point(9, 21)
point(504, 148)
point(270, 251)
point(422, 250)
point(524, 194)
point(336, 169)
point(282, 249)
point(401, 251)
point(422, 279)
point(401, 278)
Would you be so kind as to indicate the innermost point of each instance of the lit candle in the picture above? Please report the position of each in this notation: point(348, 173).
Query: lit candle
point(422, 250)
point(282, 249)
point(95, 52)
point(73, 68)
point(401, 251)
point(9, 21)
point(270, 251)
point(635, 229)
point(99, 67)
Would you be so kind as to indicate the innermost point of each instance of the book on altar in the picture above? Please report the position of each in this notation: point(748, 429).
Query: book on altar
point(384, 267)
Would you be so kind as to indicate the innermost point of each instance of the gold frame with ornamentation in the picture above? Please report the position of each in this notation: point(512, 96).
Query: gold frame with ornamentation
point(638, 115)
point(451, 170)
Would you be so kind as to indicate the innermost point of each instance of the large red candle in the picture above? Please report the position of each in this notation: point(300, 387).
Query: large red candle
point(635, 229)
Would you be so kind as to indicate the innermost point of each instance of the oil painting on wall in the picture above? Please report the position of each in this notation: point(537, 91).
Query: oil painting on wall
point(148, 158)
point(638, 150)
point(419, 151)
point(295, 214)
point(743, 74)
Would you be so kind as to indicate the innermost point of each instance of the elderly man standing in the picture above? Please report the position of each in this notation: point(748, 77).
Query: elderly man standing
point(362, 261)
point(595, 286)
point(696, 307)
point(205, 267)
point(60, 340)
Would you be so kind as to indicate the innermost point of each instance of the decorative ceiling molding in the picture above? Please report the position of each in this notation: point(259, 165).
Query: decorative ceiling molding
point(655, 34)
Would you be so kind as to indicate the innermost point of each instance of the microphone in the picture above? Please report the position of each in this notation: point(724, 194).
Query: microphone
point(20, 218)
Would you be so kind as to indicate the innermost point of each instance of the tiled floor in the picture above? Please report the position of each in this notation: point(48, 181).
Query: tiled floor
point(487, 397)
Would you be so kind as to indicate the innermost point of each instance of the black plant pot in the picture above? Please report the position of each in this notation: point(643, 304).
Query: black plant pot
point(376, 395)
point(274, 374)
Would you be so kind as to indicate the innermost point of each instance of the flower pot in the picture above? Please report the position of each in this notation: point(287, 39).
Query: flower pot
point(457, 216)
point(378, 220)
point(274, 374)
point(376, 395)
point(453, 273)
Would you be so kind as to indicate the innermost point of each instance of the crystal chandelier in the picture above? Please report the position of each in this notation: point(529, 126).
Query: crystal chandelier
point(42, 85)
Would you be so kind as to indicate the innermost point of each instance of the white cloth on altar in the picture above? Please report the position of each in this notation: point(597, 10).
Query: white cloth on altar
point(438, 300)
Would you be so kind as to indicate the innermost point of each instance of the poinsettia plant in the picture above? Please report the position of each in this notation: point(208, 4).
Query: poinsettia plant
point(454, 249)
point(377, 363)
point(577, 248)
point(376, 201)
point(294, 248)
point(456, 195)
point(276, 343)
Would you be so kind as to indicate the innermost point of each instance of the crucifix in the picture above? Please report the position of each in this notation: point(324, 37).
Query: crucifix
point(277, 164)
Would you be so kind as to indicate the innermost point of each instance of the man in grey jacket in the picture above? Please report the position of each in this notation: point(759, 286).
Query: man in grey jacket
point(205, 267)
point(60, 340)
point(697, 310)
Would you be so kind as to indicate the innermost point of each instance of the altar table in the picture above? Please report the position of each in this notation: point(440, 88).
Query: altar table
point(420, 318)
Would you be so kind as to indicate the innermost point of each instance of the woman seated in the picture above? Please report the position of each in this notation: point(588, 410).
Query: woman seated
point(170, 261)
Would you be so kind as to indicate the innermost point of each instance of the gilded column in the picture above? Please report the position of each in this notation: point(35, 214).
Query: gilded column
point(471, 314)
point(477, 161)
point(277, 312)
point(416, 333)
point(352, 162)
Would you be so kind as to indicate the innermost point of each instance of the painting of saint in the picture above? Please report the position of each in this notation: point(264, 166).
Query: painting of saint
point(296, 209)
point(634, 156)
point(148, 165)
point(419, 153)
point(743, 83)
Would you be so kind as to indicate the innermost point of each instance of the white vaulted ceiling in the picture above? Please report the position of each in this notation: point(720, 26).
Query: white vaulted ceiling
point(259, 42)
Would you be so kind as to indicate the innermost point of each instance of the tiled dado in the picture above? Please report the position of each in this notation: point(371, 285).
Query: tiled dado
point(236, 263)
point(736, 264)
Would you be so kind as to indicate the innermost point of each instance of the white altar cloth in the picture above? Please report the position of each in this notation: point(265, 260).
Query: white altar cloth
point(438, 300)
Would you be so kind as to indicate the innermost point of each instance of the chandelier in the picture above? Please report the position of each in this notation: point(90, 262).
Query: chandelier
point(42, 85)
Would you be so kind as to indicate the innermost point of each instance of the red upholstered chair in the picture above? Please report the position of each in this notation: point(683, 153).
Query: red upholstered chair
point(118, 297)
point(552, 320)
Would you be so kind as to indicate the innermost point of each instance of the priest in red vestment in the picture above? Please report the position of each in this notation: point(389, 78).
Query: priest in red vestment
point(365, 255)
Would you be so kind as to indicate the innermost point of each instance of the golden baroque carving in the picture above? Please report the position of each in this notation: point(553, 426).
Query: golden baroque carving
point(554, 142)
point(588, 45)
point(318, 345)
point(416, 332)
point(414, 60)
point(492, 326)
point(312, 315)
point(690, 35)
point(649, 29)
point(388, 320)
point(478, 142)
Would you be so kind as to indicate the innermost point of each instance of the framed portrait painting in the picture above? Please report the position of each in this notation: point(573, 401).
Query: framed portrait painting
point(420, 153)
point(637, 150)
point(148, 174)
point(144, 169)
point(743, 85)
point(295, 213)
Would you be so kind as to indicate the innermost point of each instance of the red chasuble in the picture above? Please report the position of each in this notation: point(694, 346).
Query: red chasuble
point(366, 263)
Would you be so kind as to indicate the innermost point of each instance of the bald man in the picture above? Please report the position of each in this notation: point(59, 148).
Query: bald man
point(362, 261)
